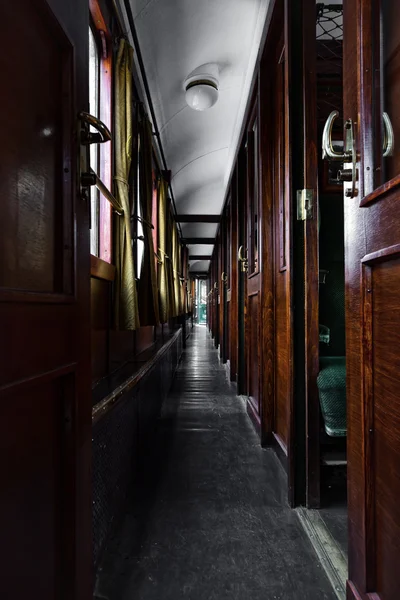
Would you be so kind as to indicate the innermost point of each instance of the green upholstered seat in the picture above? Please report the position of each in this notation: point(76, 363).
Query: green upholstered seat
point(331, 383)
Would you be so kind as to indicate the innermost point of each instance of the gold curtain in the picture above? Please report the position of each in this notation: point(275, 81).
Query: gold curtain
point(185, 283)
point(181, 278)
point(162, 250)
point(125, 301)
point(170, 264)
point(147, 286)
point(176, 269)
point(192, 295)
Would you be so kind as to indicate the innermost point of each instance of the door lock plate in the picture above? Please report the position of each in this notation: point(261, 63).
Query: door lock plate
point(304, 204)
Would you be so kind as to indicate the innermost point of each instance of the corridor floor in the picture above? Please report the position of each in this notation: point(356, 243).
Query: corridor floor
point(209, 520)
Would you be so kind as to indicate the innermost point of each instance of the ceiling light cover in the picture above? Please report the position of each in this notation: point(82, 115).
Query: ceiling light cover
point(201, 87)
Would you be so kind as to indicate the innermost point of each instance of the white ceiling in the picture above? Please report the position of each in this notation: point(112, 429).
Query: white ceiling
point(199, 266)
point(175, 37)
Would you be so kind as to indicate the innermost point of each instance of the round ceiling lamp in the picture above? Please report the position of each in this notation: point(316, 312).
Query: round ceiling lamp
point(201, 87)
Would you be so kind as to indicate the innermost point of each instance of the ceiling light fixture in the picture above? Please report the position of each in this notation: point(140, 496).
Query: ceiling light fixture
point(201, 87)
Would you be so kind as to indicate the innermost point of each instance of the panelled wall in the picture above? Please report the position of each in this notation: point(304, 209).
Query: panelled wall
point(132, 367)
point(250, 277)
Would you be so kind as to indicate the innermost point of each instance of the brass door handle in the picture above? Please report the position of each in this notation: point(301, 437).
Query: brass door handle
point(240, 254)
point(243, 260)
point(348, 156)
point(388, 138)
point(88, 137)
point(328, 152)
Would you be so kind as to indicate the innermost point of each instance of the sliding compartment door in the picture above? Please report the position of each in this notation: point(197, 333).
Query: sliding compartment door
point(372, 253)
point(45, 380)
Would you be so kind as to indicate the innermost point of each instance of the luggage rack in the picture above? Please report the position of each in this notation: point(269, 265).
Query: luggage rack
point(329, 21)
point(329, 41)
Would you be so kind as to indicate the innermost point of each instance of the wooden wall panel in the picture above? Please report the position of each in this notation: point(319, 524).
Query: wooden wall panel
point(282, 236)
point(100, 300)
point(382, 417)
point(38, 469)
point(130, 422)
point(144, 338)
point(253, 351)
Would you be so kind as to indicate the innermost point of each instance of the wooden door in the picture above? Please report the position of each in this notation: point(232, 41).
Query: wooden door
point(372, 262)
point(217, 334)
point(276, 235)
point(222, 290)
point(253, 284)
point(227, 285)
point(45, 379)
point(242, 276)
point(233, 322)
point(308, 243)
point(281, 228)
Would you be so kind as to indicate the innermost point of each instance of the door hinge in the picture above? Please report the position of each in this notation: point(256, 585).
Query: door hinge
point(304, 204)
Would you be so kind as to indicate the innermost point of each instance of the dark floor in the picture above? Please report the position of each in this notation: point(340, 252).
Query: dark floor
point(210, 519)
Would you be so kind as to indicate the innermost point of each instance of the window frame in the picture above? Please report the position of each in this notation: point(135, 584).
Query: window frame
point(103, 40)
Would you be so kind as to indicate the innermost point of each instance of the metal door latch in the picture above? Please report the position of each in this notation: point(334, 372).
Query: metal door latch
point(244, 262)
point(304, 205)
point(348, 156)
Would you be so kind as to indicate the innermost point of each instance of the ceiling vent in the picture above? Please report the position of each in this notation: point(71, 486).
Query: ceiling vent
point(201, 87)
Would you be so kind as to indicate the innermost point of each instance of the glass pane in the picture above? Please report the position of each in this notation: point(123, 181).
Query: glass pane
point(139, 226)
point(94, 149)
point(202, 305)
point(389, 89)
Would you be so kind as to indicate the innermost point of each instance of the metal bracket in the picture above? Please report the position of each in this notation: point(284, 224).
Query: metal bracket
point(304, 205)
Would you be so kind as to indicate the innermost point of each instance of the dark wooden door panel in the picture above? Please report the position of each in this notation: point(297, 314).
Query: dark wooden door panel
point(253, 336)
point(372, 254)
point(45, 392)
point(234, 288)
point(282, 270)
point(380, 373)
point(282, 361)
point(36, 171)
point(35, 473)
point(27, 327)
point(253, 285)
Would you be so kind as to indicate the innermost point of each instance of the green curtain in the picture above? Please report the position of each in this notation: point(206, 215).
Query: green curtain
point(126, 311)
point(162, 250)
point(147, 286)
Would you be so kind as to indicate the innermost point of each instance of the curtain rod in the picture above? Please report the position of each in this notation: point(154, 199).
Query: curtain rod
point(149, 101)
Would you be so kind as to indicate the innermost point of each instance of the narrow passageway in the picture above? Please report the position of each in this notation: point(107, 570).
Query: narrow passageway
point(209, 518)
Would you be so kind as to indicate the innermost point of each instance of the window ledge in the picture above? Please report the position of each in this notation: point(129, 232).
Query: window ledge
point(101, 269)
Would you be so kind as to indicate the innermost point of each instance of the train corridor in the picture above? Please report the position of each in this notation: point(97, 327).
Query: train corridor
point(209, 518)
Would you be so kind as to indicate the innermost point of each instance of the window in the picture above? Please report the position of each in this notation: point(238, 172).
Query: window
point(100, 154)
point(139, 226)
point(94, 63)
